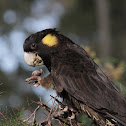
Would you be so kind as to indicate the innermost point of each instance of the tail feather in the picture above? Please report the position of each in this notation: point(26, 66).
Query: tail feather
point(120, 121)
point(101, 120)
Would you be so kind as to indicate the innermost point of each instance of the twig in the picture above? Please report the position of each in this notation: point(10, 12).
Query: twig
point(51, 113)
point(45, 107)
point(33, 114)
point(57, 101)
point(3, 116)
point(51, 108)
point(28, 104)
point(61, 121)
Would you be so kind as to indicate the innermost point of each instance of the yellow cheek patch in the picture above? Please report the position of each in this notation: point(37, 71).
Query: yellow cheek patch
point(50, 40)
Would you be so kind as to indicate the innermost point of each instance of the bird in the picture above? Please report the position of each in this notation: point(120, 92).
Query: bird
point(75, 76)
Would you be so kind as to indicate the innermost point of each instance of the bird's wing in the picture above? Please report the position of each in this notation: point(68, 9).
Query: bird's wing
point(75, 72)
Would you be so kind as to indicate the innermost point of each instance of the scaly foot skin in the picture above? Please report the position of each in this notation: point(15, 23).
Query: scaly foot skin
point(37, 72)
point(35, 78)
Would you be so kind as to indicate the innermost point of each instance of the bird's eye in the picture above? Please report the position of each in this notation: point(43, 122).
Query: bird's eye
point(33, 46)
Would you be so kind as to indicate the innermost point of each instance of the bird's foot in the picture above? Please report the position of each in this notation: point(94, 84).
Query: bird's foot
point(37, 72)
point(35, 80)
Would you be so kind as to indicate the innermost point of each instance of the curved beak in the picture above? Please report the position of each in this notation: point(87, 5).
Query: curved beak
point(33, 59)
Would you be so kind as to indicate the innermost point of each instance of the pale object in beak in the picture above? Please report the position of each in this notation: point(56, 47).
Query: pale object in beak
point(33, 59)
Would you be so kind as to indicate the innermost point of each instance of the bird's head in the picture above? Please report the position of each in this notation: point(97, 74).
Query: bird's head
point(39, 46)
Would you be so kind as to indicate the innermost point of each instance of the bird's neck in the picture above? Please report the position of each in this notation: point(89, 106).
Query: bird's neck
point(47, 62)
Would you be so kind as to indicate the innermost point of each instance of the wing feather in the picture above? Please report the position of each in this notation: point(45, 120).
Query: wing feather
point(81, 78)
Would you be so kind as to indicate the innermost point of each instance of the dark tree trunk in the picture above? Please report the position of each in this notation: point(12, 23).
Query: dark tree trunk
point(103, 19)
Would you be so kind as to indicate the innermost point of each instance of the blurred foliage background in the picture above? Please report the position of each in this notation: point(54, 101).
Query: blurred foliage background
point(98, 25)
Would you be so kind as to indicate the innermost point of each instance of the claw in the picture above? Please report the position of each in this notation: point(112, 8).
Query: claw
point(36, 85)
point(28, 80)
point(35, 80)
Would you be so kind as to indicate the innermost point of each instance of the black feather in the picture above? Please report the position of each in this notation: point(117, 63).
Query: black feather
point(77, 78)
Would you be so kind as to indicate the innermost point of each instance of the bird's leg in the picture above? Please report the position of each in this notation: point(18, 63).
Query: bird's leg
point(35, 80)
point(46, 82)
